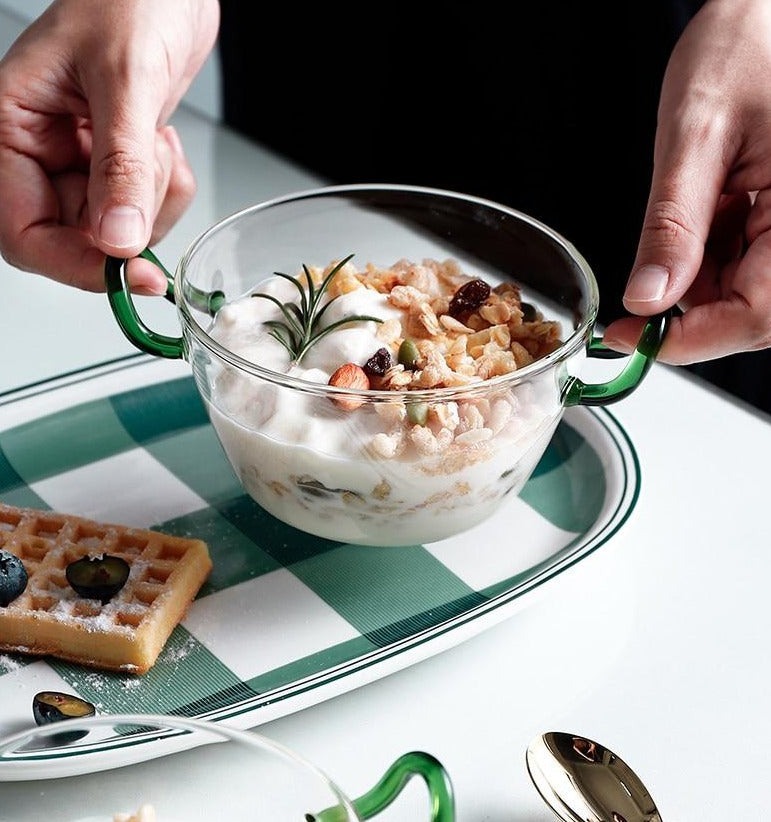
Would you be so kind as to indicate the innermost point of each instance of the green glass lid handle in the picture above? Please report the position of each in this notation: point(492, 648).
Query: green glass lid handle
point(125, 312)
point(415, 763)
point(639, 362)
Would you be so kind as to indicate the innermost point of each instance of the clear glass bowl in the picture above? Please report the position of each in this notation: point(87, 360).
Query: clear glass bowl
point(381, 467)
point(88, 770)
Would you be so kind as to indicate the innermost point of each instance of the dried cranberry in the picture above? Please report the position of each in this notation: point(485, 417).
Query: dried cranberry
point(378, 363)
point(468, 298)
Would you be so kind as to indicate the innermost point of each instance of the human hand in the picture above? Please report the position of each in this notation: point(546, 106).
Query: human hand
point(706, 237)
point(88, 164)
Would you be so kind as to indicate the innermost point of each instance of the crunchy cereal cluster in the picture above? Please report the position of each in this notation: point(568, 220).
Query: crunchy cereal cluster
point(457, 341)
point(456, 331)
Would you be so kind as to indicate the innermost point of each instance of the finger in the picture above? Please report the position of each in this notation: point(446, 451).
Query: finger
point(691, 338)
point(727, 235)
point(180, 190)
point(739, 321)
point(43, 228)
point(724, 246)
point(759, 219)
point(32, 237)
point(163, 168)
point(121, 192)
point(71, 189)
point(689, 172)
point(143, 276)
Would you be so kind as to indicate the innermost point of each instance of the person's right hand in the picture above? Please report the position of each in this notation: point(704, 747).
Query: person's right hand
point(705, 243)
point(88, 164)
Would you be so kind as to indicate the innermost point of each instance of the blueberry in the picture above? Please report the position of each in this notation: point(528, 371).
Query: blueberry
point(52, 706)
point(13, 577)
point(98, 577)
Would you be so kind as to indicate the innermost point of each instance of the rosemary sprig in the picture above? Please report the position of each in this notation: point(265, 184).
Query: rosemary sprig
point(298, 331)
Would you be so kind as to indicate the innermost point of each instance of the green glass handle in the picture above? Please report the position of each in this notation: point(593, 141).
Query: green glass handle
point(125, 312)
point(415, 763)
point(129, 321)
point(639, 362)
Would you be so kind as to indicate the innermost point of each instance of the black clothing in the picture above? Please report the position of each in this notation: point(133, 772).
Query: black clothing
point(548, 108)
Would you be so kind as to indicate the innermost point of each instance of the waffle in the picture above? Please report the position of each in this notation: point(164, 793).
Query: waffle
point(127, 633)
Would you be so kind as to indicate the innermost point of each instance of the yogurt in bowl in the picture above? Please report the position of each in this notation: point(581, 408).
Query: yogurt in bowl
point(425, 442)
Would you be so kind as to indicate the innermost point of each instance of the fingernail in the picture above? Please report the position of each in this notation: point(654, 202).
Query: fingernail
point(647, 284)
point(152, 290)
point(122, 227)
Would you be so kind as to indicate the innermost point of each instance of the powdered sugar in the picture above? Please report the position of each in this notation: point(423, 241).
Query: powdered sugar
point(9, 664)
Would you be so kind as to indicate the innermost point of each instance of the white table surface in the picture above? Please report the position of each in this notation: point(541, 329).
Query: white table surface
point(656, 645)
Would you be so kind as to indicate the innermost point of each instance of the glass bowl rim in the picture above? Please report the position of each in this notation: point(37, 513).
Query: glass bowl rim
point(576, 341)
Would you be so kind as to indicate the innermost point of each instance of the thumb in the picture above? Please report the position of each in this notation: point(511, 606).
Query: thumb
point(685, 189)
point(121, 187)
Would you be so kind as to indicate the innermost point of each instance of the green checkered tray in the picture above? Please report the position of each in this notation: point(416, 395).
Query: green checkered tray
point(285, 620)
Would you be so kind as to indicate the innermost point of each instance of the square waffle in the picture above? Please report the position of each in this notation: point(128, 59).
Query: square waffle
point(127, 633)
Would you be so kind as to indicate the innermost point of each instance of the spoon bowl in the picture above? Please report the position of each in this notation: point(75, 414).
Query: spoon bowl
point(582, 781)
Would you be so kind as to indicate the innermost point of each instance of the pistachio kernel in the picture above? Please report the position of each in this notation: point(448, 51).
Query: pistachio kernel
point(408, 354)
point(417, 412)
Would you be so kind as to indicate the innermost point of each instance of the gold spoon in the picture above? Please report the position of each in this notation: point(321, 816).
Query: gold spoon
point(582, 781)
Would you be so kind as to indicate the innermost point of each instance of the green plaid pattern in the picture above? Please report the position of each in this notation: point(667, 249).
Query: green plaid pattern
point(283, 612)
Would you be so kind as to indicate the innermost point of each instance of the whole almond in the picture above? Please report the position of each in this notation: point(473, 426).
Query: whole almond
point(349, 375)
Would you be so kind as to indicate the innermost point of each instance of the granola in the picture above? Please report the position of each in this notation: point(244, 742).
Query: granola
point(463, 331)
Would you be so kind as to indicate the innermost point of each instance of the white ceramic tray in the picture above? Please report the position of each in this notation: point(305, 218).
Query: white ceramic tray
point(286, 620)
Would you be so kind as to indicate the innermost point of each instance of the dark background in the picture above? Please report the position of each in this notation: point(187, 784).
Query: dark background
point(550, 109)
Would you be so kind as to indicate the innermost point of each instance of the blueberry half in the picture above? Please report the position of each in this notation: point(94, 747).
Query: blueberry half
point(98, 577)
point(13, 577)
point(53, 706)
